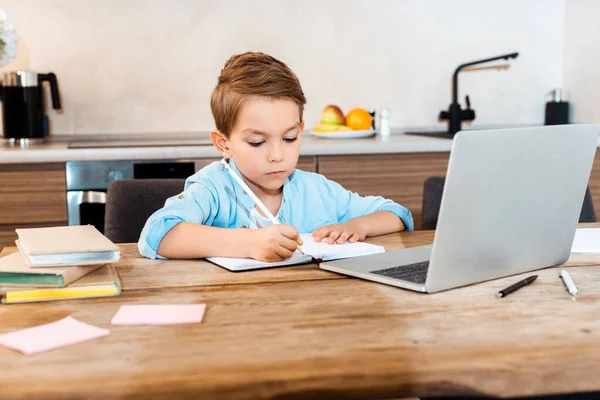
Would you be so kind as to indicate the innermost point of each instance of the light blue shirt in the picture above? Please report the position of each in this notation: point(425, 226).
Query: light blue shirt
point(212, 197)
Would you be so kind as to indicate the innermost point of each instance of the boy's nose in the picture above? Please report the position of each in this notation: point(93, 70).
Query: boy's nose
point(276, 154)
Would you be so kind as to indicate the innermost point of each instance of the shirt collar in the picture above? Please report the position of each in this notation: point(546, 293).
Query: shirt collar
point(245, 198)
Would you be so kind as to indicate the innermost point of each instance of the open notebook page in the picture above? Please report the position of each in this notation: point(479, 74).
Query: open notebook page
point(311, 249)
point(324, 251)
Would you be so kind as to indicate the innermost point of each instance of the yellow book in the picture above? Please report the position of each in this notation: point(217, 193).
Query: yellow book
point(103, 282)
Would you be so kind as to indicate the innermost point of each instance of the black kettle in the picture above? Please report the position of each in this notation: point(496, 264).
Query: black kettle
point(22, 96)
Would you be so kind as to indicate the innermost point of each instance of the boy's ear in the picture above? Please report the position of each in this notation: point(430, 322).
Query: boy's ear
point(221, 143)
point(301, 129)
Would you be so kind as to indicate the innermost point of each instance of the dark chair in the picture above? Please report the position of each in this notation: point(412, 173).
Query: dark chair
point(129, 203)
point(432, 197)
point(588, 213)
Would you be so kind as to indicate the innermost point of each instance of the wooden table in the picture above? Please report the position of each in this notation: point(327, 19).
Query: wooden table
point(299, 332)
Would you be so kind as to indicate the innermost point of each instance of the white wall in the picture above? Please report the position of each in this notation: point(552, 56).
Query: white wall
point(582, 59)
point(150, 65)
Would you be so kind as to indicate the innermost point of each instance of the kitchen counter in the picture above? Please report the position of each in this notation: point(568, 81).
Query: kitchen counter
point(73, 148)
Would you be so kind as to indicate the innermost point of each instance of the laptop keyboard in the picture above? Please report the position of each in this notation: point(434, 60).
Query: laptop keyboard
point(416, 272)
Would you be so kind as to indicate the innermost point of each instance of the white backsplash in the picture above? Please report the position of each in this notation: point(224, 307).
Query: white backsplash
point(150, 65)
point(582, 60)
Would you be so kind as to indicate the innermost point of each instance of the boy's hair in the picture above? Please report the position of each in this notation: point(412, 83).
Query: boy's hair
point(252, 74)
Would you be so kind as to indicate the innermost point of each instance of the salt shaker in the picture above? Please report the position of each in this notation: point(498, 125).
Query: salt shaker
point(384, 123)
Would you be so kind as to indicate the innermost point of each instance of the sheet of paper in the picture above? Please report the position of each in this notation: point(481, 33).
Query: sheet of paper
point(159, 314)
point(319, 249)
point(587, 240)
point(51, 336)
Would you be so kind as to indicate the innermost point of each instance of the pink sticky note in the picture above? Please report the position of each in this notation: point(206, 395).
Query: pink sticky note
point(159, 314)
point(51, 336)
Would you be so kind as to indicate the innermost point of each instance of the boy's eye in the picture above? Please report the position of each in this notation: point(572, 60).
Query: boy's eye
point(290, 140)
point(255, 144)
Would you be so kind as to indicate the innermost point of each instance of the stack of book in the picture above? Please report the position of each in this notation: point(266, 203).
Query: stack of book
point(63, 262)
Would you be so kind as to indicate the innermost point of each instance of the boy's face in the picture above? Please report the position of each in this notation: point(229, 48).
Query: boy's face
point(265, 142)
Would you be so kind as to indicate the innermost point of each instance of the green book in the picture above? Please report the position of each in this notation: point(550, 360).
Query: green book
point(14, 271)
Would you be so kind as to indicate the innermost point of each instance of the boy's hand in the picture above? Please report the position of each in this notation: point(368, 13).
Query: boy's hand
point(350, 231)
point(274, 243)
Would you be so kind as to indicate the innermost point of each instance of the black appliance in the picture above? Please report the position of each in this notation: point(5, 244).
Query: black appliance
point(22, 96)
point(87, 182)
point(557, 110)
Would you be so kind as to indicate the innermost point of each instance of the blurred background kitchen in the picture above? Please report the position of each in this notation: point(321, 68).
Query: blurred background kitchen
point(149, 65)
point(135, 79)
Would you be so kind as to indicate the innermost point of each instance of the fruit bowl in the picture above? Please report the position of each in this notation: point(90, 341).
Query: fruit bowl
point(351, 134)
point(334, 125)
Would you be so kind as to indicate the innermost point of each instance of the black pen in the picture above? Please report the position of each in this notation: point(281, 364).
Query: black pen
point(516, 286)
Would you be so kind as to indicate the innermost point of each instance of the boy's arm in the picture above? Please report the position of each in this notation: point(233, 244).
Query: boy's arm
point(350, 205)
point(359, 217)
point(359, 228)
point(197, 204)
point(181, 229)
point(378, 223)
point(189, 240)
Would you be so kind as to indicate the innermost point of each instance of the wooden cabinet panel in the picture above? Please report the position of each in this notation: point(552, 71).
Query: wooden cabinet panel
point(398, 177)
point(32, 178)
point(33, 207)
point(31, 195)
point(307, 163)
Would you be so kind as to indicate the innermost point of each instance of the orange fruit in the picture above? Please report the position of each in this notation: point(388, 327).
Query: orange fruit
point(359, 119)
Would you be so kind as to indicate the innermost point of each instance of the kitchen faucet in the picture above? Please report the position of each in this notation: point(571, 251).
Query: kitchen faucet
point(455, 115)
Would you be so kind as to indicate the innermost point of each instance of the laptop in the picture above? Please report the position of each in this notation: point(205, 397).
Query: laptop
point(511, 204)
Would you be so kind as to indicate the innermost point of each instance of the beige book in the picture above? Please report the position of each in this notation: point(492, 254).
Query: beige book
point(66, 245)
point(14, 271)
point(102, 282)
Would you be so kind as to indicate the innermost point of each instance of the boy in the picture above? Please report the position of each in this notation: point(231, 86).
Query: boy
point(258, 106)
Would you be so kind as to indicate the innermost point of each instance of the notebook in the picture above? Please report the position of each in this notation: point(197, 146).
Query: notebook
point(586, 241)
point(313, 251)
point(66, 245)
point(103, 282)
point(14, 271)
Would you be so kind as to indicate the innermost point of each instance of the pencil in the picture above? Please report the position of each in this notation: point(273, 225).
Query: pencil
point(259, 203)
